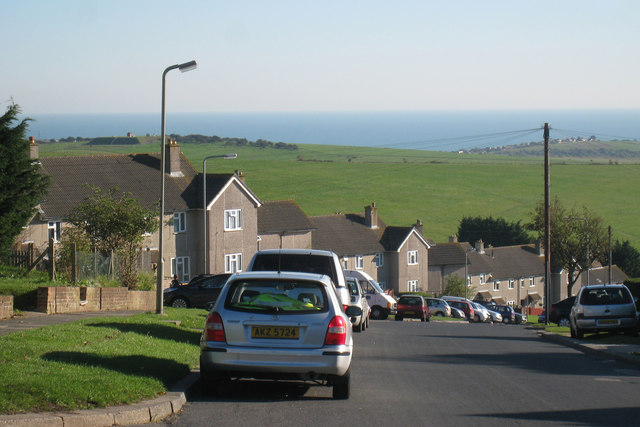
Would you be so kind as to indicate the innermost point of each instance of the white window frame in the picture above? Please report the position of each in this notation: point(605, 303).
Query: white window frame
point(469, 280)
point(181, 266)
point(512, 284)
point(496, 285)
point(232, 219)
point(511, 303)
point(412, 285)
point(179, 222)
point(379, 259)
point(483, 279)
point(412, 257)
point(359, 262)
point(54, 229)
point(345, 263)
point(232, 263)
point(532, 282)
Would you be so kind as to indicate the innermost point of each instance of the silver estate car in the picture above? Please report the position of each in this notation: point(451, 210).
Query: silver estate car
point(358, 298)
point(281, 326)
point(603, 308)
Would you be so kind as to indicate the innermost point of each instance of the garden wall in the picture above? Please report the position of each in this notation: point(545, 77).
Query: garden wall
point(54, 300)
point(6, 306)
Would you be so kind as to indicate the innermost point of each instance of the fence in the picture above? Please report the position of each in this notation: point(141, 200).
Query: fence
point(22, 258)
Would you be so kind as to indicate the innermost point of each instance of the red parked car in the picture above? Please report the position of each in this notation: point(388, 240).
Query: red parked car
point(412, 306)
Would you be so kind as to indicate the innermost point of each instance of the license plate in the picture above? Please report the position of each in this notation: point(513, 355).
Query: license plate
point(608, 322)
point(279, 332)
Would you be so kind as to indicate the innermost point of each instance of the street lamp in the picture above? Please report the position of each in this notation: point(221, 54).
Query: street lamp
point(466, 273)
point(184, 67)
point(204, 203)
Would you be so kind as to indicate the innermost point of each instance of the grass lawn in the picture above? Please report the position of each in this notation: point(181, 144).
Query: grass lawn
point(97, 362)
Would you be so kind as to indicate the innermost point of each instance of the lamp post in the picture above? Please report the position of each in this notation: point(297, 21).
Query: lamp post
point(205, 254)
point(184, 67)
point(466, 273)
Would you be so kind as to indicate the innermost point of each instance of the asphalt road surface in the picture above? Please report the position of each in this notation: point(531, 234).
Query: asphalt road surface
point(442, 374)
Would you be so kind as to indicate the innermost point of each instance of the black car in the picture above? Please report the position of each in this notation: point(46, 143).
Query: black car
point(507, 312)
point(560, 311)
point(202, 291)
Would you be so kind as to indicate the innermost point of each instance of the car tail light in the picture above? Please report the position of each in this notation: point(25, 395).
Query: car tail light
point(336, 332)
point(214, 328)
point(344, 307)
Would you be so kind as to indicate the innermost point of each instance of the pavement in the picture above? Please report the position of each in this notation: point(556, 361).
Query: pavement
point(147, 411)
point(156, 410)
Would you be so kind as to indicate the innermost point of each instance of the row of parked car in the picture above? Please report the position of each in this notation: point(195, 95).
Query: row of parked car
point(417, 306)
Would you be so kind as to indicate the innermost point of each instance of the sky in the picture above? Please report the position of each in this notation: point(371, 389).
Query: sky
point(102, 56)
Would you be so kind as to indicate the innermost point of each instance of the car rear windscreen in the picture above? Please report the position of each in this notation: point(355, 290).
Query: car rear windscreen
point(301, 263)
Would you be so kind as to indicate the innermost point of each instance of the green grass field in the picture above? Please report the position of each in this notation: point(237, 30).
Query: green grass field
point(439, 188)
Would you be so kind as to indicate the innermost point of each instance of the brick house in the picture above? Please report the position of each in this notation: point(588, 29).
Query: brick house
point(397, 257)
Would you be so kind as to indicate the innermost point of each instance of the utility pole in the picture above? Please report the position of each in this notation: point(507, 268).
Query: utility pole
point(610, 253)
point(547, 228)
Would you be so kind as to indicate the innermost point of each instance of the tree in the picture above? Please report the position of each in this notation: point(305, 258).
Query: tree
point(577, 238)
point(626, 257)
point(493, 231)
point(116, 222)
point(455, 286)
point(21, 180)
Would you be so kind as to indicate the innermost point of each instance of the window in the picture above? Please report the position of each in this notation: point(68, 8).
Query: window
point(232, 263)
point(55, 230)
point(359, 262)
point(512, 284)
point(468, 280)
point(522, 283)
point(180, 266)
point(496, 285)
point(412, 257)
point(345, 263)
point(412, 285)
point(379, 259)
point(483, 279)
point(179, 222)
point(511, 303)
point(233, 219)
point(532, 282)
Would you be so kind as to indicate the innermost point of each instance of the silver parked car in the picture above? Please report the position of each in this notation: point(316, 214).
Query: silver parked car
point(358, 298)
point(280, 326)
point(438, 307)
point(603, 308)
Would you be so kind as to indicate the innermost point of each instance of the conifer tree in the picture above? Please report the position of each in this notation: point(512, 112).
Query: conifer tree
point(21, 182)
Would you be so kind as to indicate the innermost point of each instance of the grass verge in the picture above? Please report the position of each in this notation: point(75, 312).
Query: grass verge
point(97, 362)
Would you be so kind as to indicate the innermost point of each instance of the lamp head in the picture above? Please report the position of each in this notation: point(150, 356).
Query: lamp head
point(188, 66)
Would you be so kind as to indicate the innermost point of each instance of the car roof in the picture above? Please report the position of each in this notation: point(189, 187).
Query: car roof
point(296, 251)
point(285, 275)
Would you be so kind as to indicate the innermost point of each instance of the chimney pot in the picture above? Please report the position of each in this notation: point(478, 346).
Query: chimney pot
point(371, 215)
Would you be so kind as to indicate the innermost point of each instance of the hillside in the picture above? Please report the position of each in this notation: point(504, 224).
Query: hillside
point(439, 188)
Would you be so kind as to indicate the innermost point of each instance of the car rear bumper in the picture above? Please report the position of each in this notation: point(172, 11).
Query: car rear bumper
point(605, 324)
point(334, 360)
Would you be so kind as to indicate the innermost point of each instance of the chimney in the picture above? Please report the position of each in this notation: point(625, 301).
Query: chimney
point(480, 247)
point(371, 215)
point(240, 175)
point(172, 161)
point(539, 248)
point(418, 226)
point(33, 148)
point(453, 238)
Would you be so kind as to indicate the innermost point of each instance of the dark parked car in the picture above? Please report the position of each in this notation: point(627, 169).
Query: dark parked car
point(201, 291)
point(508, 313)
point(413, 306)
point(559, 312)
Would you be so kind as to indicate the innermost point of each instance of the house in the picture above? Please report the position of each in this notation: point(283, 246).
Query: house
point(395, 256)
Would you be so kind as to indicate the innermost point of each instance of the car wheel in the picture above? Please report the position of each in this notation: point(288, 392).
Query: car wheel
point(341, 386)
point(440, 314)
point(564, 322)
point(376, 313)
point(505, 321)
point(579, 333)
point(476, 318)
point(179, 303)
point(423, 319)
point(631, 332)
point(358, 327)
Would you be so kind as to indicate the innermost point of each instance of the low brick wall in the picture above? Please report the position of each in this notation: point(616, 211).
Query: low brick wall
point(53, 300)
point(6, 306)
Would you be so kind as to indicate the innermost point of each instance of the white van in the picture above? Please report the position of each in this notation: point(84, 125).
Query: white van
point(381, 303)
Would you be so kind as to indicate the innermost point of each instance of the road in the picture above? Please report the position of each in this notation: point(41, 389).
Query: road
point(445, 374)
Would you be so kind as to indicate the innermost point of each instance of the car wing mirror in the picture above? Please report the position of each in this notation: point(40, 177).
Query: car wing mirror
point(353, 311)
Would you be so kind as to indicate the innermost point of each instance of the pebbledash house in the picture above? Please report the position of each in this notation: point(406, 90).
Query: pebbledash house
point(238, 223)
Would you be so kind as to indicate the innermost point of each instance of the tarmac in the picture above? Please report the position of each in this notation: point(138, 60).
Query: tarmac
point(156, 410)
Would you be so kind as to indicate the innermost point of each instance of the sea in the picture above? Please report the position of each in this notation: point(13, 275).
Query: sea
point(424, 130)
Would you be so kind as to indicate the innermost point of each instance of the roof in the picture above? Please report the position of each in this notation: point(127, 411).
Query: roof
point(346, 234)
point(394, 238)
point(282, 215)
point(507, 262)
point(447, 254)
point(601, 275)
point(138, 174)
